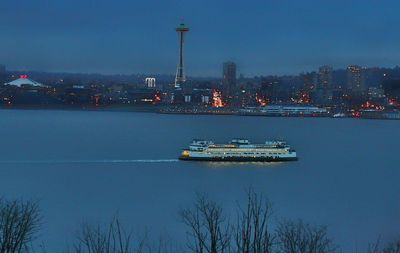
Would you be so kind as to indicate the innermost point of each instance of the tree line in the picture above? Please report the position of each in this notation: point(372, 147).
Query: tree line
point(208, 229)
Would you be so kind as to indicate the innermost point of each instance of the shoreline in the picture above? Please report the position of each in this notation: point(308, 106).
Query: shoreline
point(167, 110)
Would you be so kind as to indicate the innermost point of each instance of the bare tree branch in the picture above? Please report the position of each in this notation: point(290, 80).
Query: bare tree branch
point(297, 237)
point(252, 232)
point(110, 239)
point(19, 222)
point(393, 247)
point(208, 229)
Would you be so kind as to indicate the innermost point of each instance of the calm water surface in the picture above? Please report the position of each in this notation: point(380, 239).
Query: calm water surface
point(93, 165)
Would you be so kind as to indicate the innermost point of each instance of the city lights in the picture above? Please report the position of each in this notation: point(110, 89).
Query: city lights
point(217, 99)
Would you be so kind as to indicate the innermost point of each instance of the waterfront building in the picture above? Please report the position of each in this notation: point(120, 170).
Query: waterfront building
point(77, 95)
point(205, 99)
point(188, 98)
point(177, 97)
point(201, 96)
point(229, 78)
point(392, 115)
point(141, 96)
point(285, 110)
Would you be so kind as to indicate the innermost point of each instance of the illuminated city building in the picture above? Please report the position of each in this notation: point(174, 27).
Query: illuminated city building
point(217, 99)
point(325, 77)
point(24, 80)
point(268, 91)
point(355, 79)
point(229, 78)
point(374, 92)
point(323, 92)
point(150, 82)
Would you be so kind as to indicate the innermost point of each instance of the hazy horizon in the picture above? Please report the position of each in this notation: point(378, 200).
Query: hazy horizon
point(189, 76)
point(130, 37)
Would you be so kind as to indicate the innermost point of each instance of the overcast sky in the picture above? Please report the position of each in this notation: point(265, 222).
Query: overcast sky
point(263, 37)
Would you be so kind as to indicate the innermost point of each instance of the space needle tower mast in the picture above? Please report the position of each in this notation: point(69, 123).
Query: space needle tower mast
point(180, 72)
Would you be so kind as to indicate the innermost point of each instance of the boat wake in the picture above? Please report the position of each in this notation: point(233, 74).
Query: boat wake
point(91, 161)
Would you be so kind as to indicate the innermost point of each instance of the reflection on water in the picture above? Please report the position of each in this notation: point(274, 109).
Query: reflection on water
point(230, 165)
point(211, 164)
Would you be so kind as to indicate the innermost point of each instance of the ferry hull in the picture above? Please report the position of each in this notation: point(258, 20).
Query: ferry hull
point(239, 159)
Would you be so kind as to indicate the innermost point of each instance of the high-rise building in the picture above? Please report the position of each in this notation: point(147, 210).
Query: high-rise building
point(229, 78)
point(310, 81)
point(355, 79)
point(268, 89)
point(322, 94)
point(325, 77)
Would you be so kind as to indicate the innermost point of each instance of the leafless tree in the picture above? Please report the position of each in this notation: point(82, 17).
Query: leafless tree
point(208, 227)
point(297, 237)
point(393, 247)
point(19, 222)
point(252, 233)
point(374, 247)
point(112, 238)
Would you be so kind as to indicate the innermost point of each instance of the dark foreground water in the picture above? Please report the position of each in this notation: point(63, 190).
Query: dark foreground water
point(92, 165)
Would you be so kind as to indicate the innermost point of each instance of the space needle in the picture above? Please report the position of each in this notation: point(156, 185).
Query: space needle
point(180, 77)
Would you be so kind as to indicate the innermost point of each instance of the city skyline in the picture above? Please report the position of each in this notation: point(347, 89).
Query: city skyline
point(268, 38)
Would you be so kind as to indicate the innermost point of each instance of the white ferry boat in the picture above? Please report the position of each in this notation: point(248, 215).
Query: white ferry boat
point(239, 150)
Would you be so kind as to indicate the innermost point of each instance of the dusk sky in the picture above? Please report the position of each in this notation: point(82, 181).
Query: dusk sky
point(263, 37)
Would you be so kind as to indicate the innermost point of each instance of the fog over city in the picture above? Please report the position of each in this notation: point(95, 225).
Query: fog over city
point(262, 37)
